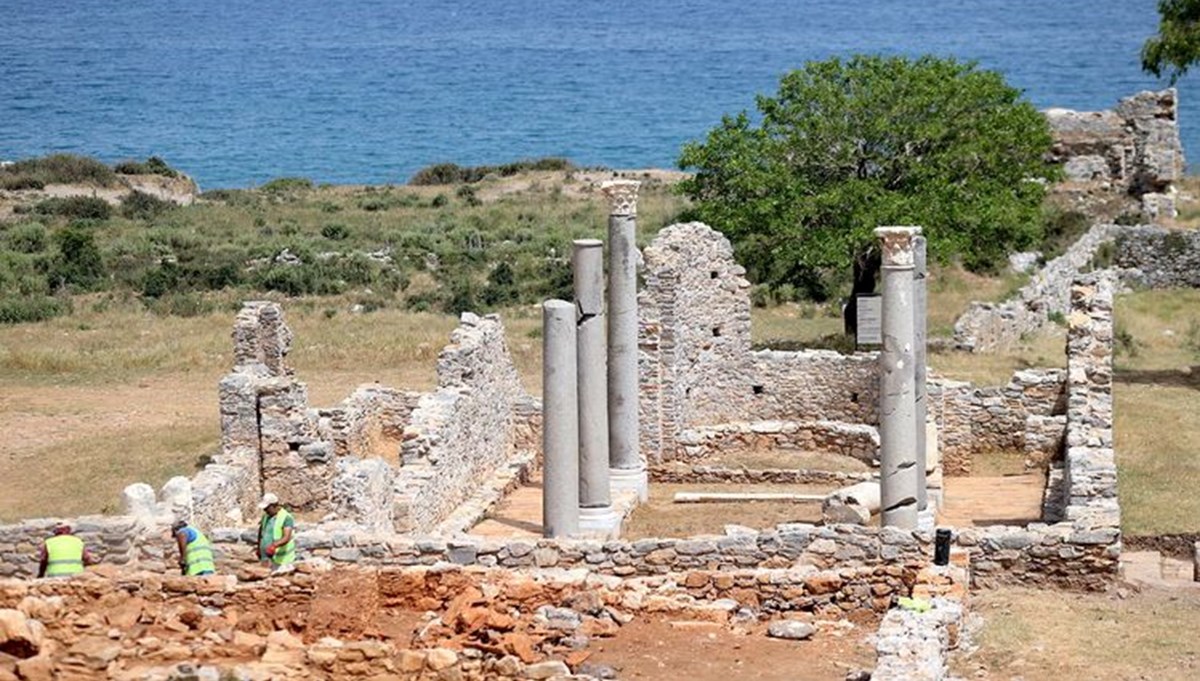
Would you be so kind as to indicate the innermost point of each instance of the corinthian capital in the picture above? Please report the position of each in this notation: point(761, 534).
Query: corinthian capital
point(622, 196)
point(897, 245)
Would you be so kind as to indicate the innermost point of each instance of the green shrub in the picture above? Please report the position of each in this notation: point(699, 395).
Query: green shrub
point(467, 193)
point(439, 201)
point(1057, 317)
point(282, 185)
point(151, 166)
point(75, 207)
point(31, 309)
point(78, 264)
point(62, 169)
point(1126, 344)
point(15, 183)
point(182, 305)
point(1130, 218)
point(139, 205)
point(452, 173)
point(28, 237)
point(335, 232)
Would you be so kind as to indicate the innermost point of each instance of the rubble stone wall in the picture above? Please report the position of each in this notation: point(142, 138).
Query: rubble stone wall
point(1027, 415)
point(1132, 150)
point(712, 442)
point(369, 422)
point(1155, 257)
point(1090, 470)
point(816, 385)
point(115, 540)
point(460, 434)
point(991, 326)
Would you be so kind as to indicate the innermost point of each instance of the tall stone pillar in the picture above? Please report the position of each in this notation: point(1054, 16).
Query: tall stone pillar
point(921, 406)
point(897, 417)
point(628, 470)
point(595, 500)
point(560, 421)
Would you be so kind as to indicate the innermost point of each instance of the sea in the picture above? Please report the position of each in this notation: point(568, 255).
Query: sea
point(236, 92)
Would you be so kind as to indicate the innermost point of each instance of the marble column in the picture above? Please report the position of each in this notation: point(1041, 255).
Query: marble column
point(920, 313)
point(560, 424)
point(628, 469)
point(897, 417)
point(595, 500)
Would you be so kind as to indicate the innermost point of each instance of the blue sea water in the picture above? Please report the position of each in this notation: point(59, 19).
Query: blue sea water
point(238, 92)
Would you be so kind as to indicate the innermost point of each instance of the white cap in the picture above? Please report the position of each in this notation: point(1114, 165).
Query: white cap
point(268, 499)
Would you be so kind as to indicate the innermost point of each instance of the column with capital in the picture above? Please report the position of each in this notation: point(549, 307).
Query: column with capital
point(920, 316)
point(627, 469)
point(897, 405)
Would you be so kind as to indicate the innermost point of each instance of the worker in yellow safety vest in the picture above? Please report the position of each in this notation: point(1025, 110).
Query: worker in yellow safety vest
point(63, 554)
point(195, 550)
point(276, 544)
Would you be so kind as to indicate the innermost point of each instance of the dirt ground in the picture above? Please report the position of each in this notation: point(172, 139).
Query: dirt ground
point(700, 651)
point(661, 517)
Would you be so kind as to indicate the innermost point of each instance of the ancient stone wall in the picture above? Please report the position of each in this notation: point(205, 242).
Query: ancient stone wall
point(991, 326)
point(115, 540)
point(696, 365)
point(1154, 257)
point(695, 333)
point(1133, 150)
point(370, 422)
point(834, 437)
point(1090, 471)
point(464, 431)
point(1027, 415)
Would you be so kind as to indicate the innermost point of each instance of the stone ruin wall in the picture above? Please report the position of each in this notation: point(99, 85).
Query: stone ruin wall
point(1156, 257)
point(704, 393)
point(986, 327)
point(465, 430)
point(1132, 151)
point(1028, 415)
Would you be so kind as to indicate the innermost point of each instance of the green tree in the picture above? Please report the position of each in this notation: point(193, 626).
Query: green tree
point(849, 145)
point(1177, 45)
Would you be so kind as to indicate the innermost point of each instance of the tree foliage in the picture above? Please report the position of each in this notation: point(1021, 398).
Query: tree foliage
point(1177, 45)
point(848, 145)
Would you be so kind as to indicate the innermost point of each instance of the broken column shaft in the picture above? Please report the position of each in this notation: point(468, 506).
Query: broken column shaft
point(560, 428)
point(595, 500)
point(920, 269)
point(628, 471)
point(897, 417)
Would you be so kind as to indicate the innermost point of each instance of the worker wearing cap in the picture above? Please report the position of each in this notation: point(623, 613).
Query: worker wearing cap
point(63, 554)
point(195, 550)
point(276, 546)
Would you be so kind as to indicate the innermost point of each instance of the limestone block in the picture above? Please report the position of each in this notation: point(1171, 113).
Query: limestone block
point(138, 499)
point(177, 497)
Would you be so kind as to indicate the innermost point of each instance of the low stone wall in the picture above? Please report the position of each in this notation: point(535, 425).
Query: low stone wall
point(115, 540)
point(990, 326)
point(1027, 415)
point(463, 432)
point(855, 441)
point(1155, 257)
point(697, 474)
point(915, 646)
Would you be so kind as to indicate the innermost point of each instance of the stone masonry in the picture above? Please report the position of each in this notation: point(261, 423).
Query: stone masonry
point(1133, 150)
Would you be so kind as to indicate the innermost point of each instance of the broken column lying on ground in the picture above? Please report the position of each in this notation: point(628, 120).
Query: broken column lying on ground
point(919, 368)
point(628, 470)
point(595, 499)
point(897, 418)
point(560, 429)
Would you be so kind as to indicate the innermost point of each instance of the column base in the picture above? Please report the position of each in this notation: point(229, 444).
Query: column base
point(602, 521)
point(632, 479)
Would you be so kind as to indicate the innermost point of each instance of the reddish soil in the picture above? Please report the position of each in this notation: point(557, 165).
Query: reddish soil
point(659, 649)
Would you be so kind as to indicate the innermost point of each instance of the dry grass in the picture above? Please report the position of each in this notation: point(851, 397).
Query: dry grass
point(1049, 636)
point(1043, 350)
point(661, 517)
point(952, 289)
